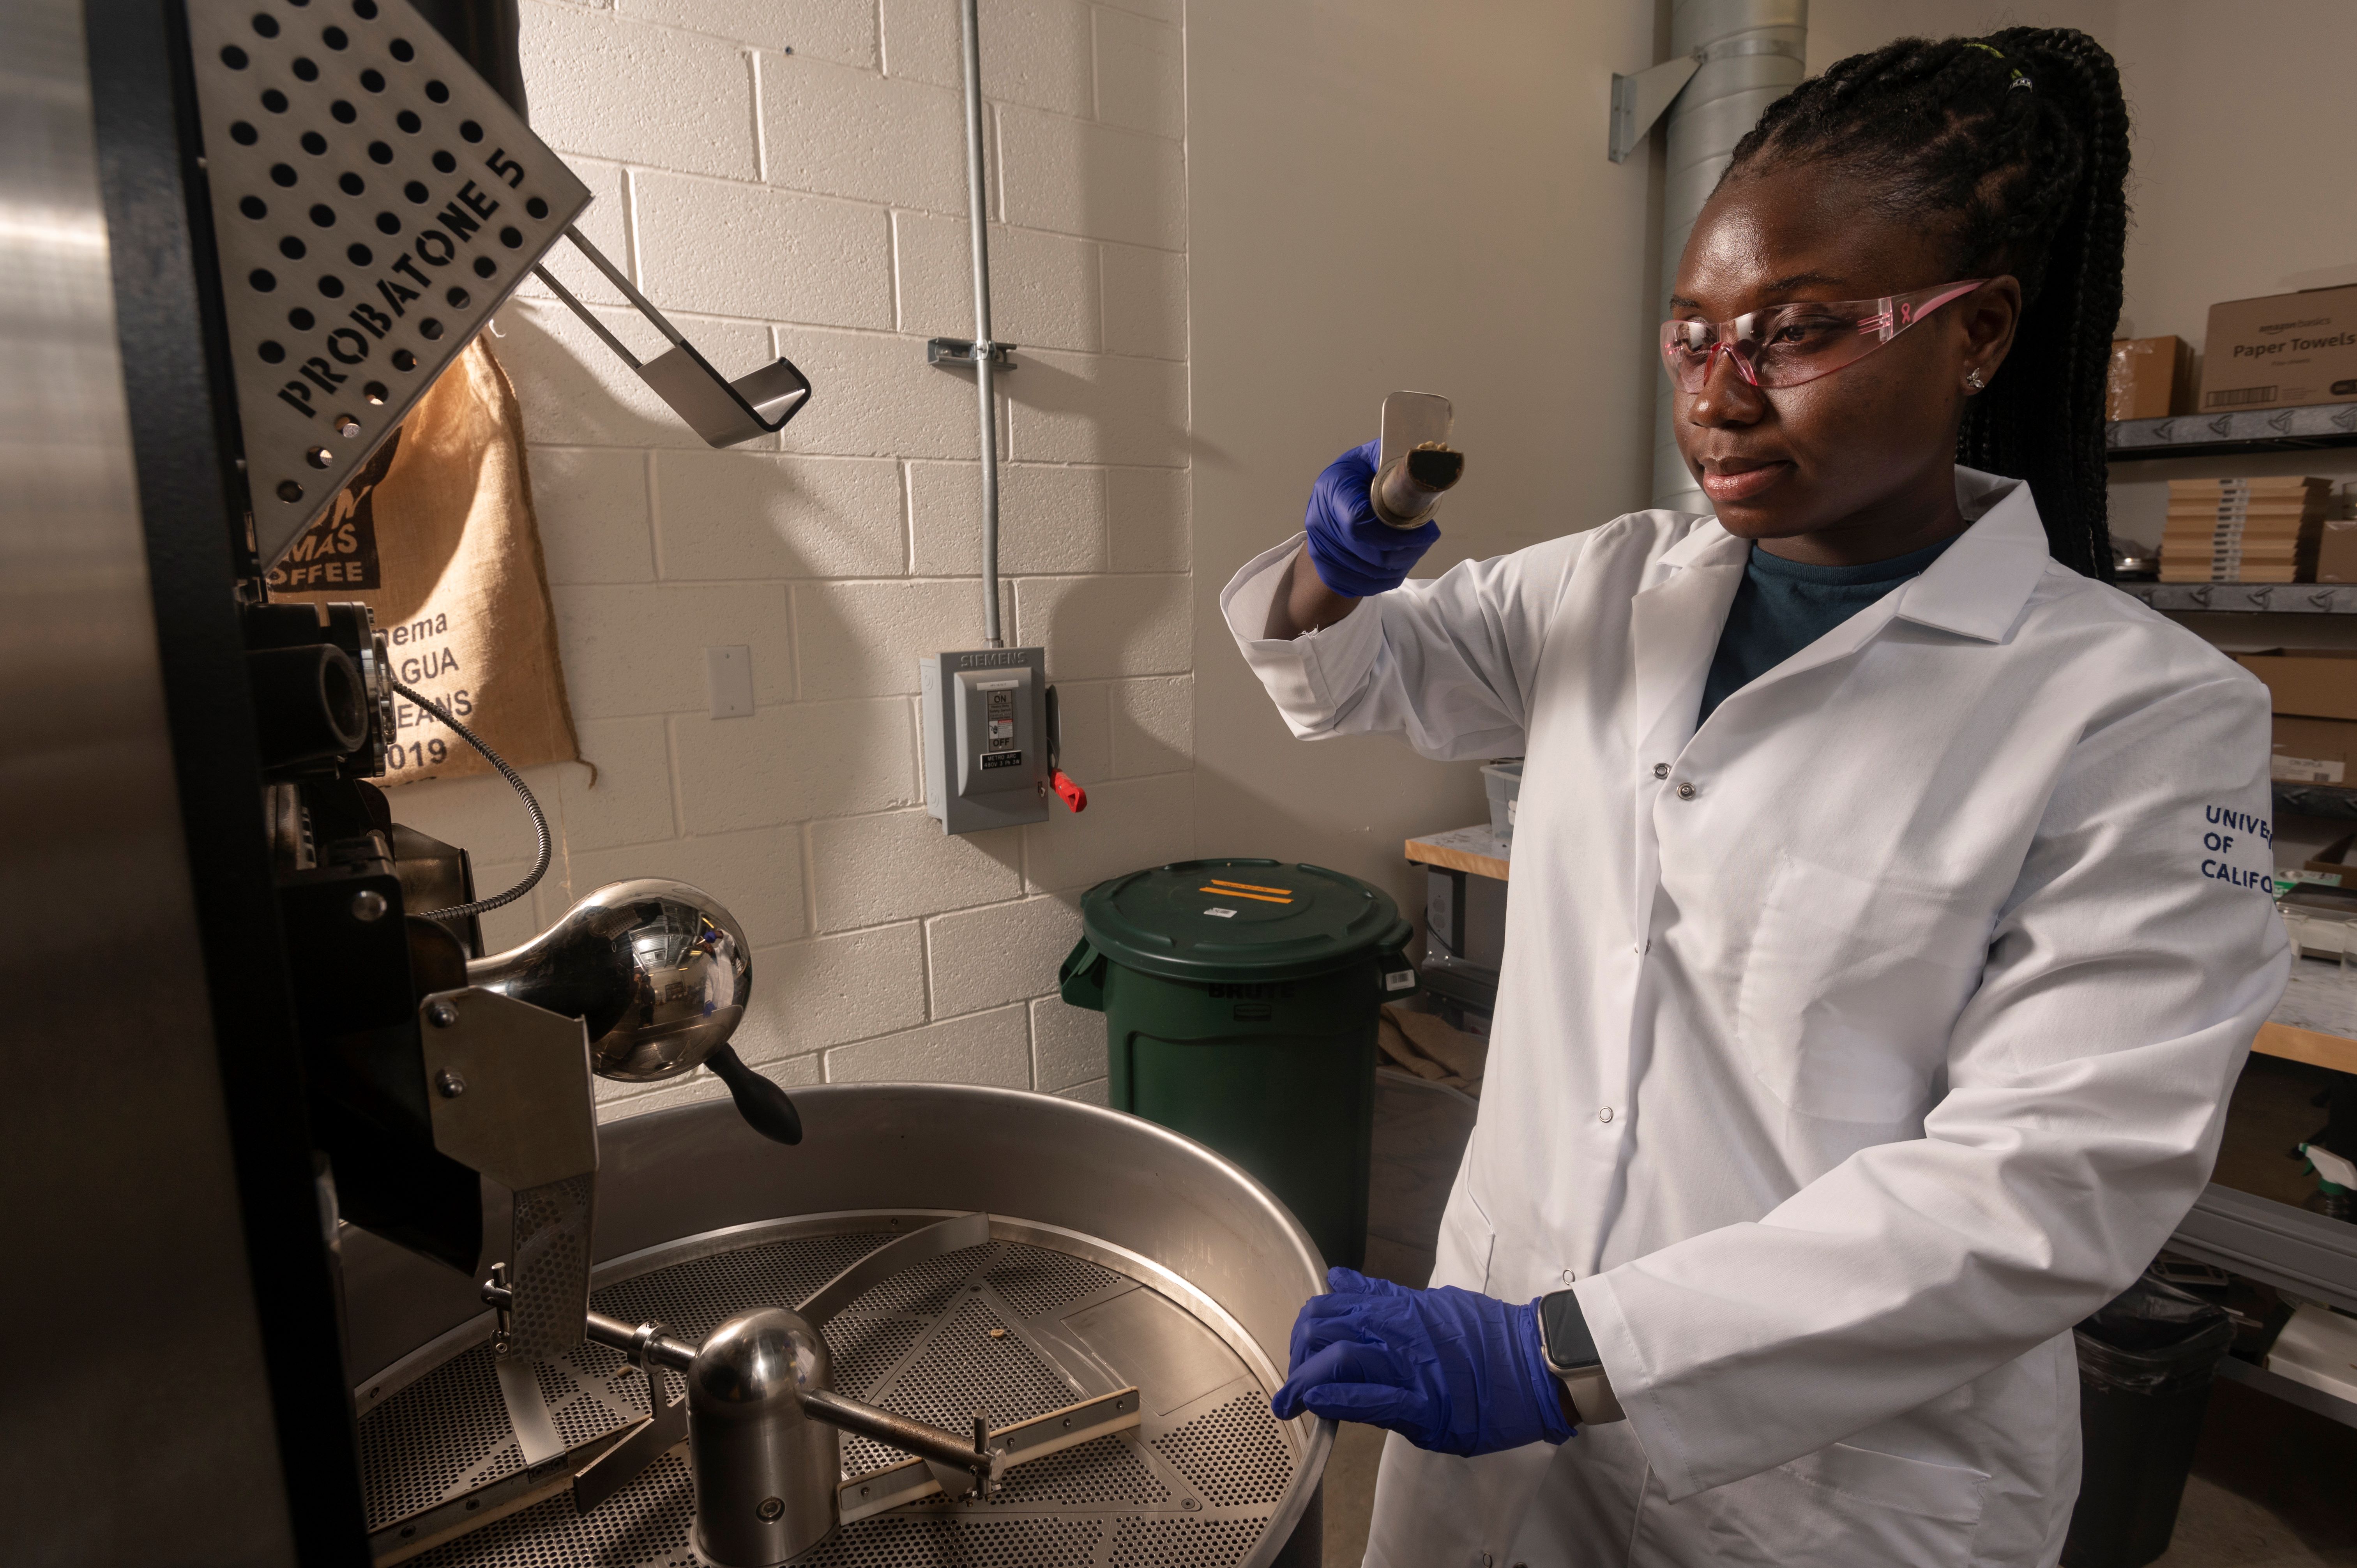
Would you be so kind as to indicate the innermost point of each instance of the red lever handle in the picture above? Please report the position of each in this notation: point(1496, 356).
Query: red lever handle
point(1074, 796)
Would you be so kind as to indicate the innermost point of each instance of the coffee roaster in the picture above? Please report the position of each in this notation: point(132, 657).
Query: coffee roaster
point(315, 1184)
point(370, 200)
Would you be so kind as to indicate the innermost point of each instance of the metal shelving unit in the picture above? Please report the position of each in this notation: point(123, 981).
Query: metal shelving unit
point(2249, 599)
point(2316, 800)
point(2290, 1391)
point(2313, 1257)
point(2233, 435)
point(2267, 598)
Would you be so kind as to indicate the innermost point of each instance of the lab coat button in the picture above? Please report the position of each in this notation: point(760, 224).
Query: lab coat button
point(1605, 1114)
point(1661, 770)
point(1570, 1275)
point(1686, 792)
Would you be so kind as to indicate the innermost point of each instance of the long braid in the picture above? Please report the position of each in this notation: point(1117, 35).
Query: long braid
point(2021, 140)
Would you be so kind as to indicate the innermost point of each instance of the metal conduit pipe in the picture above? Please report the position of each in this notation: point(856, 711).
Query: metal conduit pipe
point(1752, 52)
point(978, 218)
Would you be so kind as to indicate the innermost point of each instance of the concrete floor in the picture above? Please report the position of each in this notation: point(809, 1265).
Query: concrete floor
point(2272, 1486)
point(1350, 1493)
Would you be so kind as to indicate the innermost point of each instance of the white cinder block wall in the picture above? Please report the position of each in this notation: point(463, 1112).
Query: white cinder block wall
point(786, 176)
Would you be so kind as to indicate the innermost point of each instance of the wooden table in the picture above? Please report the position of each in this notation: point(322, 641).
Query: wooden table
point(2308, 1025)
point(2312, 1022)
point(1476, 850)
point(2337, 1052)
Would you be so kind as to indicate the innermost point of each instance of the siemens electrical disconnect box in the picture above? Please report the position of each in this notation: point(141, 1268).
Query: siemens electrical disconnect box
point(987, 740)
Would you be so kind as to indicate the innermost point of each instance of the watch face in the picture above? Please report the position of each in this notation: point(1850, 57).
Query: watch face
point(1563, 1330)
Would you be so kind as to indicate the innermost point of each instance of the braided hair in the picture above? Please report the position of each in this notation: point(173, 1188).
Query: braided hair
point(2021, 140)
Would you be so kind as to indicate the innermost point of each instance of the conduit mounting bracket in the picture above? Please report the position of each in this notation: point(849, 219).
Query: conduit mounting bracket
point(961, 351)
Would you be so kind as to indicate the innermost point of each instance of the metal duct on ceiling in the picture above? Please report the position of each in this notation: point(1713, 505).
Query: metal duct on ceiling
point(1752, 52)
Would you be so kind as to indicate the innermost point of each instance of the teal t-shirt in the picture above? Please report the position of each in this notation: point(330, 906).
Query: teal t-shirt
point(1784, 606)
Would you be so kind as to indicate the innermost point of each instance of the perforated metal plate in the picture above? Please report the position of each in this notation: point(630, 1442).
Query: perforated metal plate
point(549, 1271)
point(374, 201)
point(1195, 1487)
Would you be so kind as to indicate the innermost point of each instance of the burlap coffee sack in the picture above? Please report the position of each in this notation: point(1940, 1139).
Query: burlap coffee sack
point(1430, 1048)
point(437, 536)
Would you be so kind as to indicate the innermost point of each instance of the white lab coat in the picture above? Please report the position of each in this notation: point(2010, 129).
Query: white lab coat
point(1848, 1050)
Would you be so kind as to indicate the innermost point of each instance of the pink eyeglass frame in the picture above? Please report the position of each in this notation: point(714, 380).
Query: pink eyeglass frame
point(1880, 319)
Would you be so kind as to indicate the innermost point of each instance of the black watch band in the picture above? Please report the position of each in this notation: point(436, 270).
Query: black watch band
point(1563, 1331)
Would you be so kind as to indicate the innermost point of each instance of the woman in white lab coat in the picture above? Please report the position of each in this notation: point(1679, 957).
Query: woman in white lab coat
point(1890, 906)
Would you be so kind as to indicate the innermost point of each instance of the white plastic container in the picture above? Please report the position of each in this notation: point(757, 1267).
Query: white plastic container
point(2317, 1347)
point(1504, 782)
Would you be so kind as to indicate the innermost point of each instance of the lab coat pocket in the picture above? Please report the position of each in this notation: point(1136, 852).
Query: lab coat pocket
point(1461, 1255)
point(1841, 1506)
point(1851, 989)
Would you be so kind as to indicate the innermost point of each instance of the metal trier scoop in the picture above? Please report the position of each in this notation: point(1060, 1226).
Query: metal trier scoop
point(1416, 463)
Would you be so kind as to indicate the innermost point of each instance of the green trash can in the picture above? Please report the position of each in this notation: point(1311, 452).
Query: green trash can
point(1240, 999)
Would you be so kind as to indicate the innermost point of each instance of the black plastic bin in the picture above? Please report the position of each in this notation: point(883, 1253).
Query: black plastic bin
point(2144, 1365)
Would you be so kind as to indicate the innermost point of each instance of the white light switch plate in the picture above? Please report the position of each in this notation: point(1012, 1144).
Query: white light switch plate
point(729, 672)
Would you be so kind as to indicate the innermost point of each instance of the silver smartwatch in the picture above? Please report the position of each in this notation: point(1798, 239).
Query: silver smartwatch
point(1571, 1356)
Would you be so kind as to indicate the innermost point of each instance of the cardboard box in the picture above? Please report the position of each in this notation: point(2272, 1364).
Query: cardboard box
point(2314, 751)
point(2281, 351)
point(2336, 550)
point(2329, 866)
point(2244, 531)
point(2150, 378)
point(2318, 683)
point(2317, 1347)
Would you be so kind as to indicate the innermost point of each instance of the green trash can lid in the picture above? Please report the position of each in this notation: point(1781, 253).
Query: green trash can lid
point(1238, 920)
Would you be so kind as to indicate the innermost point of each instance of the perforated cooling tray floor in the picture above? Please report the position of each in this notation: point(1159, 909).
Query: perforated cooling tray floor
point(1008, 1330)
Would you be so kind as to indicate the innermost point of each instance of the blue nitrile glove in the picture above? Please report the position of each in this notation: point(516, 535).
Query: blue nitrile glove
point(1355, 552)
point(1447, 1369)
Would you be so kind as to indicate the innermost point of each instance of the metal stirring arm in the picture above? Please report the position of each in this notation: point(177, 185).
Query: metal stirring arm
point(665, 1428)
point(723, 412)
point(950, 1463)
point(953, 1467)
point(937, 1240)
point(942, 1463)
point(648, 1341)
point(956, 1464)
point(912, 1480)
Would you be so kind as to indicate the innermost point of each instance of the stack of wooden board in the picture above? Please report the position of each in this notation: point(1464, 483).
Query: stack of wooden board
point(2244, 531)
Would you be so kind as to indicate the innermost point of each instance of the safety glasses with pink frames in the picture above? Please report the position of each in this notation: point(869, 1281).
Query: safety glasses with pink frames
point(1786, 344)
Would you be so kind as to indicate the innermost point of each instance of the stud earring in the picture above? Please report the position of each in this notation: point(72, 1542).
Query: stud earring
point(1973, 378)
